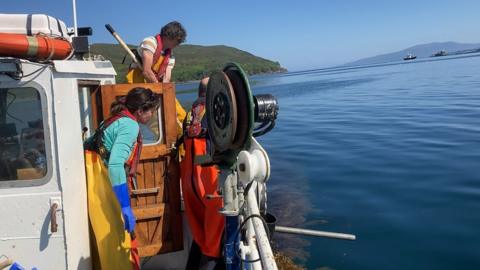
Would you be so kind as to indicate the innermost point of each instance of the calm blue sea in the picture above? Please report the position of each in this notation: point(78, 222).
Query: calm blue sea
point(389, 153)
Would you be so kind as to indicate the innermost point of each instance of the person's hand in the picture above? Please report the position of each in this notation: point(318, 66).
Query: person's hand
point(121, 191)
point(128, 219)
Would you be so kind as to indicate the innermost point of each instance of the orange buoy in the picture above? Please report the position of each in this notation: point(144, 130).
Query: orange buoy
point(38, 47)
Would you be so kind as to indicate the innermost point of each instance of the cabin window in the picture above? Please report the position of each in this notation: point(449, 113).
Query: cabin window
point(152, 132)
point(22, 135)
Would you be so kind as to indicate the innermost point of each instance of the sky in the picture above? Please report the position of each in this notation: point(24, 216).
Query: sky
point(299, 34)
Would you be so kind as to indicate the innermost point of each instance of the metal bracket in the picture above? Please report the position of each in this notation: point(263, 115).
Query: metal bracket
point(56, 200)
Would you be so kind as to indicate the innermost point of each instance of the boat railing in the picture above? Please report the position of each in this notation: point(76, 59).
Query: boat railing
point(257, 250)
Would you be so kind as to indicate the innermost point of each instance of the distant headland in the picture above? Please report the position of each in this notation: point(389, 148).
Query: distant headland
point(434, 49)
point(193, 61)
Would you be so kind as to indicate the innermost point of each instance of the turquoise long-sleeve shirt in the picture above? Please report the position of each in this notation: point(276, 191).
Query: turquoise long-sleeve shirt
point(119, 139)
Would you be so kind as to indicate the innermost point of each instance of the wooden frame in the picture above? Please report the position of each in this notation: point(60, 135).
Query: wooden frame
point(156, 201)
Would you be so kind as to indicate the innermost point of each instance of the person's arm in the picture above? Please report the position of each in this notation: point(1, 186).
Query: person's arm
point(126, 136)
point(147, 67)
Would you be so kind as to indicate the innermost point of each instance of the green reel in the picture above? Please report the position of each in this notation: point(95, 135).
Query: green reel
point(230, 114)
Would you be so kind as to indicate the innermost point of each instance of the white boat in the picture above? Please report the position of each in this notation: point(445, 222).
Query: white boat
point(48, 108)
point(410, 57)
point(439, 53)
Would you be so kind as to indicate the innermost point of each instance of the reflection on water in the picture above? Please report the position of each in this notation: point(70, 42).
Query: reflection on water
point(290, 209)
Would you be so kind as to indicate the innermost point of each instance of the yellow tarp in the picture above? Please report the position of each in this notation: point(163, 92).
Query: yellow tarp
point(112, 241)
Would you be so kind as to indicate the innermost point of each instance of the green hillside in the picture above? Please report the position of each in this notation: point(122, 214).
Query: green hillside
point(193, 61)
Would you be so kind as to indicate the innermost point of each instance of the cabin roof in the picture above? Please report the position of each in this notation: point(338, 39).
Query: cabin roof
point(85, 67)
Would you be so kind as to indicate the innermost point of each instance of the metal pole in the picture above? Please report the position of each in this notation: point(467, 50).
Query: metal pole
point(268, 260)
point(123, 45)
point(291, 230)
point(251, 249)
point(74, 18)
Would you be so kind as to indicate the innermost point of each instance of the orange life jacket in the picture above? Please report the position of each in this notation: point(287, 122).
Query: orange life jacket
point(160, 58)
point(194, 125)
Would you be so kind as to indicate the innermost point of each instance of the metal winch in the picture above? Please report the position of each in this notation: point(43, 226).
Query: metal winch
point(234, 115)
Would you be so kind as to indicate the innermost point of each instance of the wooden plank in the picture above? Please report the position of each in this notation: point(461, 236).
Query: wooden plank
point(142, 227)
point(160, 179)
point(134, 199)
point(154, 151)
point(157, 234)
point(170, 114)
point(149, 212)
point(150, 198)
point(154, 249)
point(146, 191)
point(124, 88)
point(108, 96)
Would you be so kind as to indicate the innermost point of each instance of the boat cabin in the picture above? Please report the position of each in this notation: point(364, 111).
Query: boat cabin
point(46, 112)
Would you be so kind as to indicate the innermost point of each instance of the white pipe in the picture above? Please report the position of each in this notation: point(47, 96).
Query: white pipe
point(252, 244)
point(291, 230)
point(243, 251)
point(74, 18)
point(266, 254)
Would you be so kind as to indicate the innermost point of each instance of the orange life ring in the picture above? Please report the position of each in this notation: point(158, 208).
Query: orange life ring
point(38, 47)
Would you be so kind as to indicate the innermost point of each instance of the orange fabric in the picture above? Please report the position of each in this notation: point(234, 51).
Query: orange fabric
point(134, 256)
point(206, 224)
point(160, 59)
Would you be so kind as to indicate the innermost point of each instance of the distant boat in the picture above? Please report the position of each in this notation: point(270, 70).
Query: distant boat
point(409, 57)
point(439, 53)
